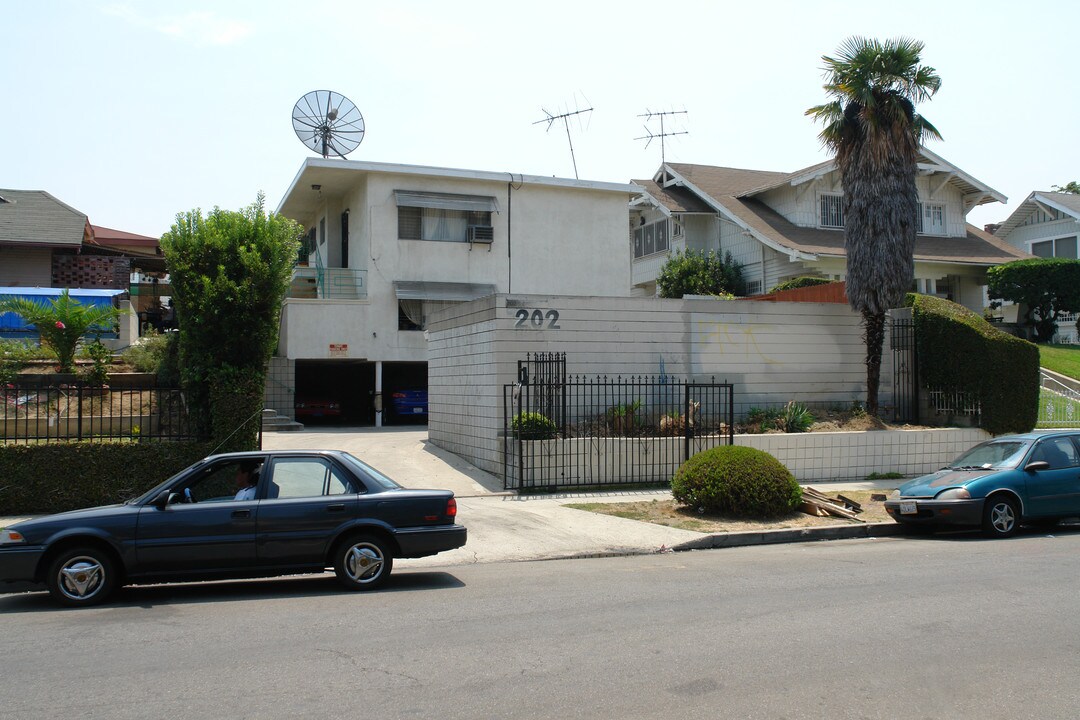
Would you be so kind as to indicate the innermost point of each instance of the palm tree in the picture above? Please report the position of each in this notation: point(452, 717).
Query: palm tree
point(62, 323)
point(873, 129)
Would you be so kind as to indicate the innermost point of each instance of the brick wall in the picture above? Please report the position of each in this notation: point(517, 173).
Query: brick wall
point(91, 271)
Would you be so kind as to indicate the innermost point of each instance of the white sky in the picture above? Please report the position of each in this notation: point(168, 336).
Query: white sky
point(132, 112)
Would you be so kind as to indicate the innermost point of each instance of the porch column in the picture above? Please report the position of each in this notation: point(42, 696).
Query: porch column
point(378, 393)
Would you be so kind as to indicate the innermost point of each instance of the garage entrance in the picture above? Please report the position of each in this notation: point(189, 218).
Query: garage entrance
point(405, 393)
point(335, 392)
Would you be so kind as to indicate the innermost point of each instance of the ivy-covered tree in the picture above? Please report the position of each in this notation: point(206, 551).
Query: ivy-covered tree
point(1070, 187)
point(1046, 287)
point(230, 272)
point(699, 273)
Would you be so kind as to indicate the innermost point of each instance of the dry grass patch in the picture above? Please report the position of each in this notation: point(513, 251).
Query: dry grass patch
point(671, 514)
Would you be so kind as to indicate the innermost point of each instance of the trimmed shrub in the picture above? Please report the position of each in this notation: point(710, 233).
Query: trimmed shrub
point(57, 477)
point(959, 350)
point(800, 282)
point(736, 480)
point(699, 273)
point(533, 426)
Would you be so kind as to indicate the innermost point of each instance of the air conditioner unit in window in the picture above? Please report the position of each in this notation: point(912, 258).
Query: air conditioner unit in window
point(480, 234)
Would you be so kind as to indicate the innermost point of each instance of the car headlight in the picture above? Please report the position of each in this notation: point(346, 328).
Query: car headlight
point(954, 494)
point(9, 537)
point(894, 495)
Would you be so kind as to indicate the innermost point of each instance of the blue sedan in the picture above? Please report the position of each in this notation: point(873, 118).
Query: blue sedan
point(997, 485)
point(251, 514)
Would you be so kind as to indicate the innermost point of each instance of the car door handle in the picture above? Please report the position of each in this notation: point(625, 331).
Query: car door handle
point(241, 513)
point(336, 507)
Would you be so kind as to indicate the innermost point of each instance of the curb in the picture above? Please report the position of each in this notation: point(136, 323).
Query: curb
point(791, 535)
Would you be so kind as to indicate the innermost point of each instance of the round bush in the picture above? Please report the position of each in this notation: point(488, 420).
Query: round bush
point(736, 480)
point(533, 426)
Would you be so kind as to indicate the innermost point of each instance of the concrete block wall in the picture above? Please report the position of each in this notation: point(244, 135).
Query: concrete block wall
point(772, 352)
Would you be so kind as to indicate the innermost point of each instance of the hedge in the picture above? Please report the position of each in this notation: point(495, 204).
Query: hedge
point(959, 350)
point(800, 282)
point(56, 477)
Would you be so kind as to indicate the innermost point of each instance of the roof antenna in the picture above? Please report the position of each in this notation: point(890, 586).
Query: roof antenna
point(650, 135)
point(565, 118)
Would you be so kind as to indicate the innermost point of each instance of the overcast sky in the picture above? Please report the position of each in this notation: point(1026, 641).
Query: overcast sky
point(132, 112)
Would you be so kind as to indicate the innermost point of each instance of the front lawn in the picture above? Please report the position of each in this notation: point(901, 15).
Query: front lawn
point(1064, 359)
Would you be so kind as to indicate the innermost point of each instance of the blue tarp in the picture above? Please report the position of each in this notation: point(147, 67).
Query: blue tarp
point(11, 325)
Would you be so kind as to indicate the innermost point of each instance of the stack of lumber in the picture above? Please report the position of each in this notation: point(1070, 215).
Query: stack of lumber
point(815, 503)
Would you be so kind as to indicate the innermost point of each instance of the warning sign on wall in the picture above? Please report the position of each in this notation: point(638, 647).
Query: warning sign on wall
point(339, 350)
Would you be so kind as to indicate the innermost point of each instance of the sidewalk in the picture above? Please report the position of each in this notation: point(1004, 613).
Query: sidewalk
point(505, 527)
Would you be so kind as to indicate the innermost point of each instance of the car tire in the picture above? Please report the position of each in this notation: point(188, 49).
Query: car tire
point(81, 576)
point(363, 562)
point(1001, 517)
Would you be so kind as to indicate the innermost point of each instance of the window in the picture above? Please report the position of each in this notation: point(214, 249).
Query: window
point(410, 315)
point(931, 219)
point(1060, 453)
point(1061, 247)
point(442, 217)
point(306, 477)
point(214, 483)
point(832, 211)
point(651, 238)
point(753, 287)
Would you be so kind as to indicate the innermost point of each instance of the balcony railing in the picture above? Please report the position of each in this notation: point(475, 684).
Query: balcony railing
point(328, 283)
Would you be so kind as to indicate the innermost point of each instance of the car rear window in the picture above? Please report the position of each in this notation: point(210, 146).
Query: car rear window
point(368, 474)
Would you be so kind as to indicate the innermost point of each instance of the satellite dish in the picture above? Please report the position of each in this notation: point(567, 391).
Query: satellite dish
point(328, 123)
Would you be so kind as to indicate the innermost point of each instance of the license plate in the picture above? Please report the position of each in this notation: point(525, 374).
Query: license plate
point(909, 507)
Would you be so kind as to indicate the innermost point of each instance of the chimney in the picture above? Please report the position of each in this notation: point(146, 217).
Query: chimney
point(991, 228)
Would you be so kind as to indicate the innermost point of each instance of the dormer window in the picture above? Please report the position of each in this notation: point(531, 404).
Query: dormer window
point(931, 219)
point(831, 213)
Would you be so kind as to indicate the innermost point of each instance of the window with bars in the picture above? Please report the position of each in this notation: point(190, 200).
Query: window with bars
point(832, 211)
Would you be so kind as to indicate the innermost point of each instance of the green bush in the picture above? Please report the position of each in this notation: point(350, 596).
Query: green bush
point(149, 352)
point(736, 480)
point(800, 282)
point(960, 351)
point(57, 477)
point(699, 273)
point(14, 354)
point(533, 426)
point(795, 418)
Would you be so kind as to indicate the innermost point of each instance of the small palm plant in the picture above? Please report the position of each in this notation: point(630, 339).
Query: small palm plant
point(61, 323)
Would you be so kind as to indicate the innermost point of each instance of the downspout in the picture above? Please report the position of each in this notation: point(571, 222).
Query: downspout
point(509, 230)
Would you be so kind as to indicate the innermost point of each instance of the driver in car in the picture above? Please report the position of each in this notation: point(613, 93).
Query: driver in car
point(247, 478)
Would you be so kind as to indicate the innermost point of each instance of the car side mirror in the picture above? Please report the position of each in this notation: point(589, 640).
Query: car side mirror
point(1037, 465)
point(163, 498)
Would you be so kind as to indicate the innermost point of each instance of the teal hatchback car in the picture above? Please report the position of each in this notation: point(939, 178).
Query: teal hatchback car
point(997, 485)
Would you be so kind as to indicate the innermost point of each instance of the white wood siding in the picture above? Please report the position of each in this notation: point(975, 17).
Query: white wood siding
point(1022, 237)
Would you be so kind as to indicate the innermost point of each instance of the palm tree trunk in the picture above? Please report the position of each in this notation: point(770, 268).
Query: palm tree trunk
point(874, 337)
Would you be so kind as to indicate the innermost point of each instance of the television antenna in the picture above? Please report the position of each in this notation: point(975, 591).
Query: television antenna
point(650, 135)
point(328, 123)
point(565, 117)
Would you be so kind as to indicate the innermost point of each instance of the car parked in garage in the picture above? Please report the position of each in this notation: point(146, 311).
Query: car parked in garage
point(410, 403)
point(998, 485)
point(251, 514)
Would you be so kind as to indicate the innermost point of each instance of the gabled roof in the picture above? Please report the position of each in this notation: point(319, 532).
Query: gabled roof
point(1067, 203)
point(733, 193)
point(37, 219)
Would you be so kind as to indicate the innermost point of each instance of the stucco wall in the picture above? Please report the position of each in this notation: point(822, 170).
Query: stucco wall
point(771, 353)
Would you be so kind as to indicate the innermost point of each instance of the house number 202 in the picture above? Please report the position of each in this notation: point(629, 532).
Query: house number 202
point(536, 319)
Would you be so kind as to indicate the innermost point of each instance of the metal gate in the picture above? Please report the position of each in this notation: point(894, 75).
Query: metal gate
point(905, 370)
point(563, 431)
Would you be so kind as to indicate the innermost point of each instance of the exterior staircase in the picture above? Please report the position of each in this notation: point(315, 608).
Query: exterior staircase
point(272, 421)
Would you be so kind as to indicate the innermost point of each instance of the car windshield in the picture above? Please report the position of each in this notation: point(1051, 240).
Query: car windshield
point(366, 472)
point(990, 455)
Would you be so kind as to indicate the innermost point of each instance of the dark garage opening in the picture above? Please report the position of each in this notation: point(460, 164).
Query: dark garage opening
point(410, 381)
point(335, 392)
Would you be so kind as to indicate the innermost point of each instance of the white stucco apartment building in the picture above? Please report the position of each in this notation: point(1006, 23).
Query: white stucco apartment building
point(387, 245)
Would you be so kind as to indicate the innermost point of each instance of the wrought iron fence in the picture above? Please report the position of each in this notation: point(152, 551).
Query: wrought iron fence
point(1059, 404)
point(565, 431)
point(39, 412)
point(905, 370)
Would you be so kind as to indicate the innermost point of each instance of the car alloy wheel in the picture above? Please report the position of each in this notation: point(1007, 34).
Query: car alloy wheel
point(363, 562)
point(81, 576)
point(1001, 517)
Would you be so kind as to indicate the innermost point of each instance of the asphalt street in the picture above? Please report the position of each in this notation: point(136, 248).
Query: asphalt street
point(944, 627)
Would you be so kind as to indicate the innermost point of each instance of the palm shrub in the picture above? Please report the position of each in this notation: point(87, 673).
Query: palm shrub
point(62, 322)
point(736, 480)
point(795, 418)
